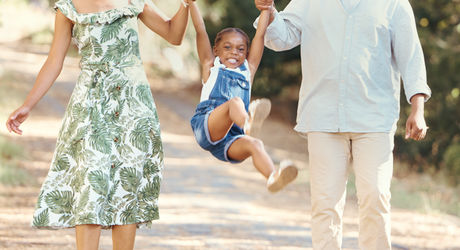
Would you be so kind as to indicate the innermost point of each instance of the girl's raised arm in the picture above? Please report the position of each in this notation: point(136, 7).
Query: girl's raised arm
point(257, 46)
point(171, 29)
point(48, 73)
point(202, 41)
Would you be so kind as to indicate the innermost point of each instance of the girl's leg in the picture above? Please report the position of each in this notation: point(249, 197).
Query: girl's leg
point(222, 118)
point(247, 146)
point(123, 237)
point(88, 236)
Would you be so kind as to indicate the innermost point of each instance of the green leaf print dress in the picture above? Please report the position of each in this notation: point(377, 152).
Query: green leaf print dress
point(108, 163)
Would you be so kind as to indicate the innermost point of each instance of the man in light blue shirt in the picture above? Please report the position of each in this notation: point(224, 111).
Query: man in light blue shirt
point(354, 53)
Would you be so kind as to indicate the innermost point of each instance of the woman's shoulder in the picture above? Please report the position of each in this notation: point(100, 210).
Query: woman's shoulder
point(67, 8)
point(134, 8)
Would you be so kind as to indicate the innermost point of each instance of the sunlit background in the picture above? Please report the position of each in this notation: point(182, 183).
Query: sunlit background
point(427, 172)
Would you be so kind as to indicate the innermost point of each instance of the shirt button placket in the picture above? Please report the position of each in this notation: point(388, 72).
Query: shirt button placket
point(344, 75)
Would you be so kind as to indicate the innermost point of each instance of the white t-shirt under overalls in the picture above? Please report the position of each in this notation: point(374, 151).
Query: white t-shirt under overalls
point(209, 85)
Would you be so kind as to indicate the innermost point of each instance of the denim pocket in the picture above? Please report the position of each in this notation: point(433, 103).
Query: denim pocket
point(229, 85)
point(240, 88)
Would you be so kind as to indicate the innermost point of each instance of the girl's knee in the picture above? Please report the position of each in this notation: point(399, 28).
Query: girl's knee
point(256, 143)
point(236, 100)
point(252, 144)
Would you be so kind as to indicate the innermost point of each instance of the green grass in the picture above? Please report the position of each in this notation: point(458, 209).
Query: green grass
point(10, 155)
point(11, 175)
point(413, 191)
point(13, 93)
point(424, 193)
point(428, 194)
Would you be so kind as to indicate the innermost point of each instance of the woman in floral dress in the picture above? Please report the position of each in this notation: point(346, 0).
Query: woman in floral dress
point(107, 167)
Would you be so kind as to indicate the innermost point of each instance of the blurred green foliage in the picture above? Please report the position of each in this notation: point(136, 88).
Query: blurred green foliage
point(52, 2)
point(439, 29)
point(10, 173)
point(11, 153)
point(438, 23)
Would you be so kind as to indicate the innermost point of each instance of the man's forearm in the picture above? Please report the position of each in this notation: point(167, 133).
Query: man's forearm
point(418, 103)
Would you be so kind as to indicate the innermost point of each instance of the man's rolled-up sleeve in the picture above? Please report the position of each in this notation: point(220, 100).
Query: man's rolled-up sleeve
point(408, 53)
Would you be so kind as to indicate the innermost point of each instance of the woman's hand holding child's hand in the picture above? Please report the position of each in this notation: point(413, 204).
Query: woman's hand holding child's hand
point(264, 5)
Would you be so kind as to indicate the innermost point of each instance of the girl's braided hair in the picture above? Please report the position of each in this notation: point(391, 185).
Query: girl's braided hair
point(219, 35)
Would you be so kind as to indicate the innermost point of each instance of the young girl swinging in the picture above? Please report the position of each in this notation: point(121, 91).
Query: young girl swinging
point(225, 122)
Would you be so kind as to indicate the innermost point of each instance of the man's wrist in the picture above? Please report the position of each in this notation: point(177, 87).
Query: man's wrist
point(417, 103)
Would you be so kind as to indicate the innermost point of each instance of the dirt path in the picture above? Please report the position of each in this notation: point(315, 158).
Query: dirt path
point(204, 204)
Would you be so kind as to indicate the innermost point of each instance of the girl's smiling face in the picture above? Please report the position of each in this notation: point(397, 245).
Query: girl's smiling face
point(232, 49)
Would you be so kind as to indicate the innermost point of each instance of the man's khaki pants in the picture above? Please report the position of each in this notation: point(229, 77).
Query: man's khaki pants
point(330, 155)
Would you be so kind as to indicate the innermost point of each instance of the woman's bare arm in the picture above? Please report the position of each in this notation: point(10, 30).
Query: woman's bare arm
point(48, 73)
point(171, 29)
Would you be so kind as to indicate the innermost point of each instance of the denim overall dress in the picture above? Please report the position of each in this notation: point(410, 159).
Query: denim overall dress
point(228, 84)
